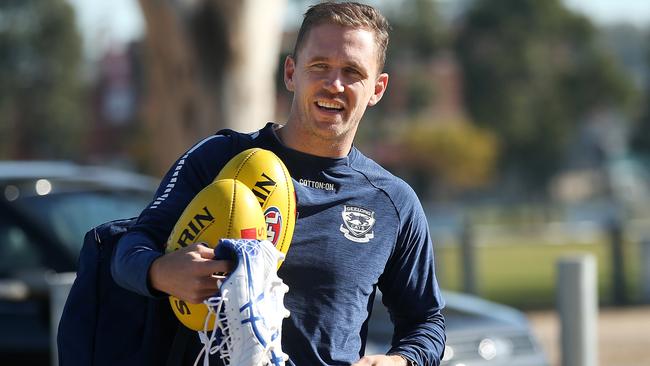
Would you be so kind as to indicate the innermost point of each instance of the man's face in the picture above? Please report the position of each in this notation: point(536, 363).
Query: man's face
point(334, 78)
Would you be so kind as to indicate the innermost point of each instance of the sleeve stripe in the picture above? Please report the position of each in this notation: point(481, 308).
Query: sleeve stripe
point(177, 169)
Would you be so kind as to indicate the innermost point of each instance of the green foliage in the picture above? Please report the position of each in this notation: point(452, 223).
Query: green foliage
point(532, 71)
point(416, 30)
point(641, 136)
point(456, 153)
point(40, 89)
point(415, 40)
point(439, 155)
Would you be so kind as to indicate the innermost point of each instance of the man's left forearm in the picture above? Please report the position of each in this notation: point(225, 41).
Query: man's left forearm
point(382, 360)
point(422, 343)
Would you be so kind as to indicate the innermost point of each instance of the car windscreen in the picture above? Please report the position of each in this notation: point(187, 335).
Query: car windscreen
point(70, 215)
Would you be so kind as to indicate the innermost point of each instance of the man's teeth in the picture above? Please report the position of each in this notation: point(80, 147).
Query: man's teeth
point(329, 105)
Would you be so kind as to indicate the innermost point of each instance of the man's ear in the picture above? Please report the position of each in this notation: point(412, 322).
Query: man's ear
point(380, 87)
point(289, 69)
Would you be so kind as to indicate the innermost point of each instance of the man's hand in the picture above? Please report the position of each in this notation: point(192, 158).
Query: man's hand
point(188, 273)
point(381, 360)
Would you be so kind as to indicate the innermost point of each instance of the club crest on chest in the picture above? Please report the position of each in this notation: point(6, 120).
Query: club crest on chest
point(357, 224)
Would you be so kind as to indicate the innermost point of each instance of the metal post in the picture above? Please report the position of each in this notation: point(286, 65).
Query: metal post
point(577, 300)
point(60, 284)
point(645, 270)
point(468, 258)
point(615, 229)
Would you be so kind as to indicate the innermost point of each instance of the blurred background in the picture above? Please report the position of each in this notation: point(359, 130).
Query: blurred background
point(523, 125)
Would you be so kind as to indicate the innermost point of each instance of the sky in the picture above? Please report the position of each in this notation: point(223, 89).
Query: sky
point(115, 22)
point(611, 11)
point(107, 22)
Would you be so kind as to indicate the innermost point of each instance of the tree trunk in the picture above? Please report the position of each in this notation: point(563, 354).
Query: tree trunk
point(209, 64)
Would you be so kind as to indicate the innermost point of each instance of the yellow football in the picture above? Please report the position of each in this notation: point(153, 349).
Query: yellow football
point(225, 208)
point(269, 180)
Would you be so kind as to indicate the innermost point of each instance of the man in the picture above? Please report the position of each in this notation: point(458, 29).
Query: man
point(335, 72)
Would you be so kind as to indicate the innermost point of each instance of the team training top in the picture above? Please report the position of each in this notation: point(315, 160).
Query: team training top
point(358, 227)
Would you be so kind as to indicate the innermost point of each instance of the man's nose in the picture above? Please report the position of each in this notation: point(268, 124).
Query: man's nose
point(333, 83)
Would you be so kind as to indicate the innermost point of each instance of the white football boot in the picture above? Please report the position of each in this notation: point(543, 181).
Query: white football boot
point(250, 308)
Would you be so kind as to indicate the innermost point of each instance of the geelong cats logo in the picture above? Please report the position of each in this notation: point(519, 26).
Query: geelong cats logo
point(357, 224)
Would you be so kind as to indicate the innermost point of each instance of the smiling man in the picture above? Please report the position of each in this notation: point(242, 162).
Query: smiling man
point(359, 228)
point(335, 74)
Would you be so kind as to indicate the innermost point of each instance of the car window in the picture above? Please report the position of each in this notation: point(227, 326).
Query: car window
point(69, 216)
point(17, 250)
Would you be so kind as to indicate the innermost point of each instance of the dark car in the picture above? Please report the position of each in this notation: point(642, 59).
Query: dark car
point(45, 209)
point(479, 333)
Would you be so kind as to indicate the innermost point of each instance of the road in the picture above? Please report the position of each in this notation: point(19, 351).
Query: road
point(623, 335)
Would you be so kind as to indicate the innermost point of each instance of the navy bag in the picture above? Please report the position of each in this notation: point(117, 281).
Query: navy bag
point(105, 324)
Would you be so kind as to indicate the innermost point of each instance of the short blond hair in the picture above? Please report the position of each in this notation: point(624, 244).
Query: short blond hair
point(347, 14)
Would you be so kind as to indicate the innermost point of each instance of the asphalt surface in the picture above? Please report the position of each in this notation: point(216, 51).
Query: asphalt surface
point(623, 335)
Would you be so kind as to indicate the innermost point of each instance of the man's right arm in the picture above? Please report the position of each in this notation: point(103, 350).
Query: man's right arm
point(134, 255)
point(139, 263)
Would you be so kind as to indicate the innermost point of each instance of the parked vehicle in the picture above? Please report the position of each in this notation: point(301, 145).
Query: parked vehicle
point(479, 333)
point(45, 209)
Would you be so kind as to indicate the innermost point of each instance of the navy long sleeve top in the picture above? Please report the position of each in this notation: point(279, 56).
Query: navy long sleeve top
point(358, 228)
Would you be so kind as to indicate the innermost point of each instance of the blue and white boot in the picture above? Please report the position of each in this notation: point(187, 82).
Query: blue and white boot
point(250, 308)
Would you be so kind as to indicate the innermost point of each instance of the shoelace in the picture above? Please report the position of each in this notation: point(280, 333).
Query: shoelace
point(215, 305)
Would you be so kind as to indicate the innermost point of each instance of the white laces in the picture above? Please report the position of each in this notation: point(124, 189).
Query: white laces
point(208, 336)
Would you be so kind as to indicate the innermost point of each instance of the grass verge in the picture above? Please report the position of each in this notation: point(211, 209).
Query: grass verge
point(524, 275)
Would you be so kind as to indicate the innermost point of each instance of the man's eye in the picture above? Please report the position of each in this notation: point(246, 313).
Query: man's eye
point(319, 66)
point(352, 71)
point(355, 74)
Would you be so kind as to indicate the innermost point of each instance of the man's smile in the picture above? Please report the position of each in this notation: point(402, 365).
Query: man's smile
point(330, 105)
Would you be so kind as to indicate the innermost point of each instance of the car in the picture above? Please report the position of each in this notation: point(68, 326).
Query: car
point(45, 209)
point(479, 333)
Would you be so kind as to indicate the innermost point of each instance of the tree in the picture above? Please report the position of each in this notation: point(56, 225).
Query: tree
point(415, 41)
point(41, 109)
point(416, 30)
point(641, 135)
point(458, 155)
point(210, 64)
point(424, 133)
point(532, 72)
